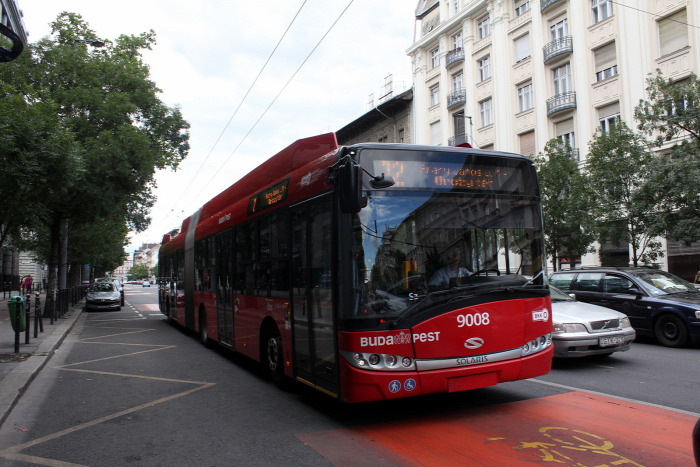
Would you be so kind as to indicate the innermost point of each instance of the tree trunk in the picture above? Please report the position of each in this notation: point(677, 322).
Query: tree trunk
point(55, 240)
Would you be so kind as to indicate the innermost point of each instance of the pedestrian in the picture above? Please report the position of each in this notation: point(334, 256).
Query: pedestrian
point(697, 277)
point(28, 284)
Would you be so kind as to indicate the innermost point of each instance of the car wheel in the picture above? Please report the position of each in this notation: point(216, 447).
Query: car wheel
point(670, 331)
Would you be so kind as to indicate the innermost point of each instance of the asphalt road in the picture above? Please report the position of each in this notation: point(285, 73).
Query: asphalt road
point(127, 388)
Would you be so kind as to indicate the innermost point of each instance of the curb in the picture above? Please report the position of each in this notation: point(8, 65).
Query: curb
point(13, 385)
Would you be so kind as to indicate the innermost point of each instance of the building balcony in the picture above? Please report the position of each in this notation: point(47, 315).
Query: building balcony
point(546, 3)
point(566, 100)
point(557, 47)
point(453, 56)
point(458, 96)
point(457, 140)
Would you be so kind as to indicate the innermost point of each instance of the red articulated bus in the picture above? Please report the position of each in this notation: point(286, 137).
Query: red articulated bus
point(370, 272)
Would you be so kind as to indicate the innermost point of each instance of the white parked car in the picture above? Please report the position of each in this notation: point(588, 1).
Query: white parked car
point(582, 329)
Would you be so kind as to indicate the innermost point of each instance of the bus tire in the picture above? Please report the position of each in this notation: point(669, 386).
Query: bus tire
point(203, 331)
point(274, 360)
point(671, 331)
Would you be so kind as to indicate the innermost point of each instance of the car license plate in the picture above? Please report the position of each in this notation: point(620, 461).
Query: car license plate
point(612, 340)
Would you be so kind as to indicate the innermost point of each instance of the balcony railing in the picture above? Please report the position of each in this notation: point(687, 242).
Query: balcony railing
point(565, 45)
point(566, 100)
point(457, 140)
point(458, 96)
point(454, 55)
point(545, 3)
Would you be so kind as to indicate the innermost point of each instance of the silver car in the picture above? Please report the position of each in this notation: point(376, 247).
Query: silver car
point(582, 329)
point(103, 296)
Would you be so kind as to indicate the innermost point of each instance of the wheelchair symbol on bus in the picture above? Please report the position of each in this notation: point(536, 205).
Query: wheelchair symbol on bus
point(409, 384)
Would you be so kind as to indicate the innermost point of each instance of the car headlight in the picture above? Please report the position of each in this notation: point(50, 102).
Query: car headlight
point(569, 327)
point(625, 322)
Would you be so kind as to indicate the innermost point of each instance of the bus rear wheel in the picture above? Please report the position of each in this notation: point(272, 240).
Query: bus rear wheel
point(274, 361)
point(203, 331)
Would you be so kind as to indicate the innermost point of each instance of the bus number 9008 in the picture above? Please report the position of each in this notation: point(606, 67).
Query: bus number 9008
point(475, 319)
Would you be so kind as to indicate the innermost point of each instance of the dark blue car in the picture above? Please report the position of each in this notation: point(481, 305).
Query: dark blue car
point(657, 303)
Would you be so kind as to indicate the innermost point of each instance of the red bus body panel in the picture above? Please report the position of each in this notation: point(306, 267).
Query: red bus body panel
point(509, 324)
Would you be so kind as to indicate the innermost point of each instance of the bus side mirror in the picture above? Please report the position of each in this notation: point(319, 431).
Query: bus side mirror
point(346, 175)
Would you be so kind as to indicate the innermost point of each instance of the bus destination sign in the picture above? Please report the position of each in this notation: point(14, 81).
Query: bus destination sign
point(269, 197)
point(450, 175)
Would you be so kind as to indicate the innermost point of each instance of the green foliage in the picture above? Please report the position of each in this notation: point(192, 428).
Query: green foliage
point(140, 271)
point(566, 198)
point(84, 131)
point(619, 164)
point(672, 115)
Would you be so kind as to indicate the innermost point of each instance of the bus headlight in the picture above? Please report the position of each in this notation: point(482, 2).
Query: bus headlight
point(536, 345)
point(379, 361)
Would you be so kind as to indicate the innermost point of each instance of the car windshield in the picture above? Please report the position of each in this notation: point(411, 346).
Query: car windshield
point(558, 295)
point(102, 287)
point(660, 282)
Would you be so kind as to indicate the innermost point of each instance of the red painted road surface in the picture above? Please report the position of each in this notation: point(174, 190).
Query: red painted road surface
point(572, 429)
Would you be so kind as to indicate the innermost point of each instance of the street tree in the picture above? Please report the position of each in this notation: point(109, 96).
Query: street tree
point(121, 130)
point(671, 114)
point(566, 200)
point(618, 164)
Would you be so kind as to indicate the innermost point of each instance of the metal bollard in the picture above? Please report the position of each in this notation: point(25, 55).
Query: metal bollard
point(27, 318)
point(17, 331)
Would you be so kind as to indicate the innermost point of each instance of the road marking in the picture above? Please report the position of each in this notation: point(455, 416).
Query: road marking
point(572, 428)
point(13, 453)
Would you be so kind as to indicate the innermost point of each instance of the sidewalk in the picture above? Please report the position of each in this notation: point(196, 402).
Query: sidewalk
point(18, 370)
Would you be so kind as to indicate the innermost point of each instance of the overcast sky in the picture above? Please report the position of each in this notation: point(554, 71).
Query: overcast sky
point(209, 53)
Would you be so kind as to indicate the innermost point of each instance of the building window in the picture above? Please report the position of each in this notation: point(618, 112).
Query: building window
point(457, 41)
point(522, 47)
point(527, 143)
point(458, 81)
point(562, 79)
point(457, 6)
point(525, 97)
point(608, 116)
point(485, 112)
point(521, 8)
point(484, 68)
point(559, 30)
point(601, 9)
point(607, 123)
point(673, 32)
point(435, 95)
point(435, 134)
point(402, 136)
point(484, 28)
point(605, 62)
point(435, 58)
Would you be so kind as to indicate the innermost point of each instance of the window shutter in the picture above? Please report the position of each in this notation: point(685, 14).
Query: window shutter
point(527, 144)
point(673, 32)
point(605, 57)
point(522, 47)
point(608, 110)
point(565, 127)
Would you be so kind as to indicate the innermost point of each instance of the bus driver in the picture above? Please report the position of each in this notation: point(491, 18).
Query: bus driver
point(451, 270)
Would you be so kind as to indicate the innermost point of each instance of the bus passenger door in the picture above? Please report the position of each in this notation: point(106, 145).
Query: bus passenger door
point(315, 356)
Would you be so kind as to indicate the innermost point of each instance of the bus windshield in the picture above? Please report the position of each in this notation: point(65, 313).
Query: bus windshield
point(447, 229)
